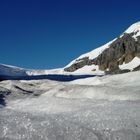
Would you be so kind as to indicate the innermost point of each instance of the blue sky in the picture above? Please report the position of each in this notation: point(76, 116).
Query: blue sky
point(45, 34)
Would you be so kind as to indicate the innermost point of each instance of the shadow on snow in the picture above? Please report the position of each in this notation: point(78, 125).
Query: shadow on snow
point(62, 78)
point(2, 100)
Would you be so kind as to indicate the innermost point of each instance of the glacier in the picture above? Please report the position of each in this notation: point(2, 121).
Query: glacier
point(99, 108)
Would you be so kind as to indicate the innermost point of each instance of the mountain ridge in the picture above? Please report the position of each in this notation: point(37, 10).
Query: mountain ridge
point(110, 57)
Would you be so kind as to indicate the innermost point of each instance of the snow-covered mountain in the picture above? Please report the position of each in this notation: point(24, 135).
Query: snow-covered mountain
point(9, 70)
point(119, 55)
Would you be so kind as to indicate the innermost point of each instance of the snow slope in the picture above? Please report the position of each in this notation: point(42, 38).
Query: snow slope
point(8, 70)
point(113, 87)
point(11, 70)
point(92, 54)
point(131, 65)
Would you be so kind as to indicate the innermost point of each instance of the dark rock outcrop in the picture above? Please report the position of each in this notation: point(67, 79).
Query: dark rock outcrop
point(121, 50)
point(117, 71)
point(137, 68)
point(78, 64)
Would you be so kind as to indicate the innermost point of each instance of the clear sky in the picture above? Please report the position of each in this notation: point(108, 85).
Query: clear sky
point(46, 34)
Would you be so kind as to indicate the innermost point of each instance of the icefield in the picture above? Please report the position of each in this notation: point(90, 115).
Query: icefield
point(96, 108)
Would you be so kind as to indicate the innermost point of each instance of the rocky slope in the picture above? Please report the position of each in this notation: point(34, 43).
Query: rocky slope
point(114, 55)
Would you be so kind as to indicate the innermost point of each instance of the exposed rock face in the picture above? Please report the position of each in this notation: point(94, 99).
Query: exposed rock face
point(138, 55)
point(79, 64)
point(117, 71)
point(122, 50)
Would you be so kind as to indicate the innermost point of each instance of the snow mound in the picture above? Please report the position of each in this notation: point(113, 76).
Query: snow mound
point(131, 65)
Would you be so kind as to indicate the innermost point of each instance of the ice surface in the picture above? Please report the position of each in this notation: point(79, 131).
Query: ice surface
point(98, 108)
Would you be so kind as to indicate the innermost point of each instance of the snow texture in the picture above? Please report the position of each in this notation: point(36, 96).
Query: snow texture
point(98, 108)
point(131, 65)
point(134, 28)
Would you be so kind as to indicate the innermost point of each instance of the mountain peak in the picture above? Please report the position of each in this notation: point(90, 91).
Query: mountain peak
point(134, 28)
